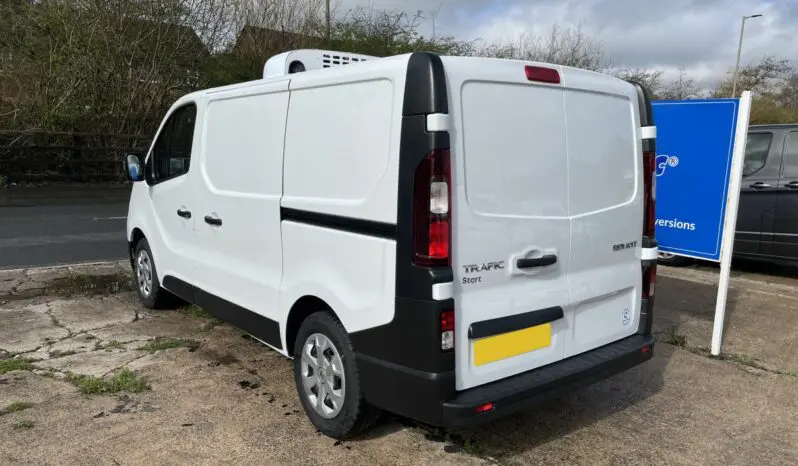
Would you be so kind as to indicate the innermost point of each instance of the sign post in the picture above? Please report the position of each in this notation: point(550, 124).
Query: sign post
point(700, 152)
point(730, 223)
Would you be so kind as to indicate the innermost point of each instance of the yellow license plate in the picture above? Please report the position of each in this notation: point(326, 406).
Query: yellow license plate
point(507, 345)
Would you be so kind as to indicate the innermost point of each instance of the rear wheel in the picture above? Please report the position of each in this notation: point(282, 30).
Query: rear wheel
point(148, 285)
point(667, 258)
point(327, 379)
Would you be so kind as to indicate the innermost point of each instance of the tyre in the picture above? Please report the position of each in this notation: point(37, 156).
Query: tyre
point(327, 380)
point(667, 258)
point(148, 285)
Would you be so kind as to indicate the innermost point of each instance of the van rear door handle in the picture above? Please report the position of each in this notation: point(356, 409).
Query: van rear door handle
point(528, 263)
point(792, 185)
point(759, 185)
point(184, 213)
point(215, 221)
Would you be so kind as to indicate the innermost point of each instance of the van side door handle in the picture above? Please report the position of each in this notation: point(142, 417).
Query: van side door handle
point(215, 221)
point(759, 185)
point(528, 263)
point(184, 213)
point(791, 185)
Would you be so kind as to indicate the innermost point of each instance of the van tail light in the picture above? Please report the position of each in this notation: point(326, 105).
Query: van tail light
point(447, 330)
point(432, 211)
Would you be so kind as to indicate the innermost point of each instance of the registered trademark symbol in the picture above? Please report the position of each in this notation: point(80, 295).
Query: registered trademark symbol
point(673, 160)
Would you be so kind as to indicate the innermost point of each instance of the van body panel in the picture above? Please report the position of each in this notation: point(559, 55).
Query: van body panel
point(239, 181)
point(543, 171)
point(351, 272)
point(305, 185)
point(510, 201)
point(333, 166)
point(606, 206)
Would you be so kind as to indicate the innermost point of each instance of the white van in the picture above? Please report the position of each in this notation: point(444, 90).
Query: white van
point(450, 239)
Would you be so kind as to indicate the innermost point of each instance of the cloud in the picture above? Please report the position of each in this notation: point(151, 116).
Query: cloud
point(701, 35)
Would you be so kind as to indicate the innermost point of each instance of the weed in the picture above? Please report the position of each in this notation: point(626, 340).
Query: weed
point(124, 381)
point(81, 283)
point(16, 407)
point(113, 344)
point(671, 337)
point(197, 312)
point(471, 447)
point(15, 364)
point(168, 343)
point(23, 424)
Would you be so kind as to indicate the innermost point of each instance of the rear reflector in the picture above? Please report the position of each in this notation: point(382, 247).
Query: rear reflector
point(484, 408)
point(541, 74)
point(447, 330)
point(645, 349)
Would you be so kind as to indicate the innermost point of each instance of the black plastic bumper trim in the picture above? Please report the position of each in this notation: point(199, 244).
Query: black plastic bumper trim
point(533, 387)
point(488, 328)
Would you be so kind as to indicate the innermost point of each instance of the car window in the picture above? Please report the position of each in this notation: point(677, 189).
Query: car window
point(791, 156)
point(160, 151)
point(756, 152)
point(172, 151)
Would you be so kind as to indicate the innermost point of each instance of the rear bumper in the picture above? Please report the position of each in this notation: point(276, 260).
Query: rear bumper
point(533, 387)
point(431, 398)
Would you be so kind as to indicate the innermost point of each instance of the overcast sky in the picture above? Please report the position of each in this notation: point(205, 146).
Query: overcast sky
point(701, 35)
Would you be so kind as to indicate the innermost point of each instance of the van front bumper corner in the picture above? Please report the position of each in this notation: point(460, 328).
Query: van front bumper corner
point(430, 398)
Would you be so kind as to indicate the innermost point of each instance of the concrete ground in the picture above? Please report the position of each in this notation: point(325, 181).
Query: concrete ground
point(203, 393)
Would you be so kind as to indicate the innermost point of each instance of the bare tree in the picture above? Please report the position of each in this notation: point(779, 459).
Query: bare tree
point(683, 87)
point(569, 46)
point(650, 79)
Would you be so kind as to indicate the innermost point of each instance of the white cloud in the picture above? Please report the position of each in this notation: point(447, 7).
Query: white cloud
point(700, 35)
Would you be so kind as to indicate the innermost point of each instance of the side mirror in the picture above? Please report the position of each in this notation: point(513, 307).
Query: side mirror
point(134, 168)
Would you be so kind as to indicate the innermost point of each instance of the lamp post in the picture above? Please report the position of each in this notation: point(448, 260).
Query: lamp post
point(327, 17)
point(739, 50)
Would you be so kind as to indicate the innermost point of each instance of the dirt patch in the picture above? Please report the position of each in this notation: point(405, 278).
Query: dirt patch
point(146, 387)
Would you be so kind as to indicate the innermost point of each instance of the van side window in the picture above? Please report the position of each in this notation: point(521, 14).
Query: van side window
point(172, 150)
point(756, 152)
point(791, 156)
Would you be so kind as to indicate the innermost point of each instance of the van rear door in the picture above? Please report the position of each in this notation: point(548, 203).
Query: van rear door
point(547, 215)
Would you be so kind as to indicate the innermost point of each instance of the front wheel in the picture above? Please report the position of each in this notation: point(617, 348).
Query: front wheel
point(148, 285)
point(327, 379)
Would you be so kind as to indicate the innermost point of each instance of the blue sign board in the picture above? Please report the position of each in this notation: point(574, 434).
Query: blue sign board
point(695, 144)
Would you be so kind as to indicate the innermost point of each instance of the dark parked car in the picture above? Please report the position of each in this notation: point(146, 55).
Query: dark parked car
point(767, 220)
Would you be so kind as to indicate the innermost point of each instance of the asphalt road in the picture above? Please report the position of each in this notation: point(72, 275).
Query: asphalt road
point(52, 226)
